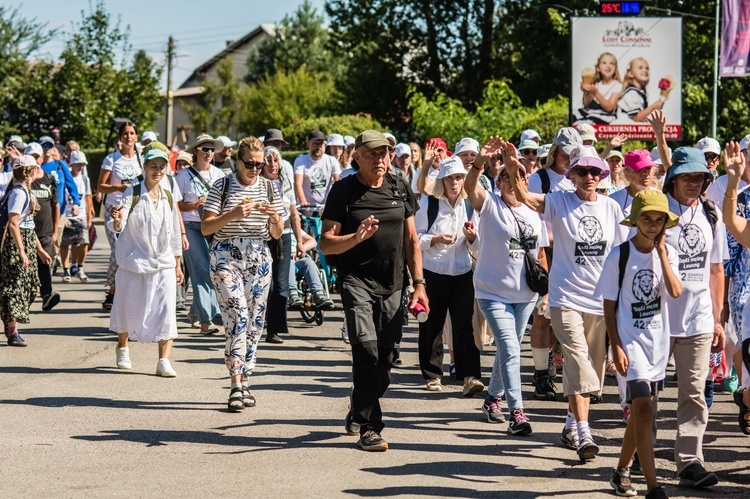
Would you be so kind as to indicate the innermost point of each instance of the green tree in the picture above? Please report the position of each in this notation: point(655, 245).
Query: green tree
point(218, 109)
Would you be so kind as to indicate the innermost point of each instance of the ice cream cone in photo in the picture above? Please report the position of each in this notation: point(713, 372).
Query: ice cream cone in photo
point(587, 75)
point(666, 85)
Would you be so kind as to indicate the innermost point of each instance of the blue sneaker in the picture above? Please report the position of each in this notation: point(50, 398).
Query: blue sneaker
point(732, 382)
point(15, 340)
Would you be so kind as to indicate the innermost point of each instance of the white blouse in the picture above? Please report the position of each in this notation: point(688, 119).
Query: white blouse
point(446, 259)
point(150, 238)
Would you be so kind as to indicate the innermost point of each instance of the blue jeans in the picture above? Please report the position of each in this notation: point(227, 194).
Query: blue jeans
point(508, 324)
point(197, 261)
point(306, 266)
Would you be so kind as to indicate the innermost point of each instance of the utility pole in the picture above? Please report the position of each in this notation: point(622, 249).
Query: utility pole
point(716, 71)
point(170, 101)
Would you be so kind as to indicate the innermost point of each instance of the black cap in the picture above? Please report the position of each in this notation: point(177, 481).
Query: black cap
point(274, 134)
point(316, 135)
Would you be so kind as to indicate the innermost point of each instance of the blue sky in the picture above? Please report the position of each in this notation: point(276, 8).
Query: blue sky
point(201, 29)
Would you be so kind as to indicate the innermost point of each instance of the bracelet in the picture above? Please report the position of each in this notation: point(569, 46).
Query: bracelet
point(417, 282)
point(730, 197)
point(184, 233)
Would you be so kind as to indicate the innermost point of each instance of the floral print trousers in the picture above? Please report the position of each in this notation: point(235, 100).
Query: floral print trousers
point(241, 275)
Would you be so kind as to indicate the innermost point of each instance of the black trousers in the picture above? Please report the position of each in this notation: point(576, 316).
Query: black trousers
point(276, 318)
point(374, 324)
point(454, 293)
point(45, 271)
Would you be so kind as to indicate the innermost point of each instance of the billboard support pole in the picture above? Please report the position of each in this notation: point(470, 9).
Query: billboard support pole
point(716, 71)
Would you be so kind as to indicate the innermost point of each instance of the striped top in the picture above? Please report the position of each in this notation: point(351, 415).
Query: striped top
point(254, 226)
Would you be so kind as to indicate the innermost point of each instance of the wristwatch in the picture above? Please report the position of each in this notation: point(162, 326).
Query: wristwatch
point(418, 281)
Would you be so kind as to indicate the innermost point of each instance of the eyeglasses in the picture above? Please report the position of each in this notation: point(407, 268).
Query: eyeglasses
point(529, 152)
point(252, 164)
point(711, 156)
point(582, 172)
point(206, 149)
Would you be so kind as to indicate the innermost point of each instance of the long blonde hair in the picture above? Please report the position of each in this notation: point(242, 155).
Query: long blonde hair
point(598, 76)
point(627, 81)
point(418, 163)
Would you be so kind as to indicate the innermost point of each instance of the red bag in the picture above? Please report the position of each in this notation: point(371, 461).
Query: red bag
point(92, 236)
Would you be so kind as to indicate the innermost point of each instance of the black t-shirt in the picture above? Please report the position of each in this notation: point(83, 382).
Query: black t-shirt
point(45, 191)
point(376, 264)
point(229, 166)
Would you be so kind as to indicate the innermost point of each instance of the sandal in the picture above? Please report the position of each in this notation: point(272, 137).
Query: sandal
point(247, 398)
point(236, 402)
point(744, 423)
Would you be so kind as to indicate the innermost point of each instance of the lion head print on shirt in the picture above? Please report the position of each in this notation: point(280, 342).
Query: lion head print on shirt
point(591, 233)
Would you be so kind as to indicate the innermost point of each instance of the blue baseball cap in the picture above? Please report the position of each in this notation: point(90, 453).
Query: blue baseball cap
point(687, 160)
point(155, 153)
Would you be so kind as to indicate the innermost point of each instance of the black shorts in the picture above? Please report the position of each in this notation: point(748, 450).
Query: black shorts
point(639, 388)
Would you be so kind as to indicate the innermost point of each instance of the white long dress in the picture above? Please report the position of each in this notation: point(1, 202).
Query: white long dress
point(145, 283)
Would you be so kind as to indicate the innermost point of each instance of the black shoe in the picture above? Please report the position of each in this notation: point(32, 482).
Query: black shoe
point(236, 402)
point(108, 300)
point(351, 426)
point(620, 481)
point(273, 338)
point(595, 399)
point(398, 362)
point(545, 387)
point(587, 449)
point(50, 301)
point(322, 302)
point(695, 475)
point(657, 493)
point(372, 441)
point(15, 340)
point(635, 466)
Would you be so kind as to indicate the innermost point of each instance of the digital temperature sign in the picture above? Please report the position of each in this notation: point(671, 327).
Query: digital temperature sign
point(620, 8)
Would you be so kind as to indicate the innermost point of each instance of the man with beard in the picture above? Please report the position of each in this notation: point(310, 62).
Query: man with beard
point(315, 172)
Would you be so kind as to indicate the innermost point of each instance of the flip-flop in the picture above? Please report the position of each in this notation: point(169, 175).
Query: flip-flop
point(744, 423)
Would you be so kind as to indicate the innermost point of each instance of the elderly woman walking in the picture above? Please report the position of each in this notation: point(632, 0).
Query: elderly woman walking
point(148, 251)
point(585, 228)
point(243, 211)
point(195, 182)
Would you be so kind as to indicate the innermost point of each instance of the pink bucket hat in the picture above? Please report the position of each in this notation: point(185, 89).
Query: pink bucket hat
point(638, 160)
point(587, 156)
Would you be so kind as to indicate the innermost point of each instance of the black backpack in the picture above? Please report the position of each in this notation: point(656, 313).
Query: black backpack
point(4, 214)
point(433, 205)
point(544, 177)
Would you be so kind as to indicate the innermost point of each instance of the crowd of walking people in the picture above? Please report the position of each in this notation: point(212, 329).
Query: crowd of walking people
point(614, 261)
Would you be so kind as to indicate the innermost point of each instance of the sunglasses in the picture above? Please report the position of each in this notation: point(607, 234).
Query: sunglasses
point(47, 145)
point(252, 164)
point(206, 149)
point(582, 172)
point(529, 152)
point(711, 156)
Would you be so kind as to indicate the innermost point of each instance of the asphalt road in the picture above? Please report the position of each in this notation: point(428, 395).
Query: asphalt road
point(75, 426)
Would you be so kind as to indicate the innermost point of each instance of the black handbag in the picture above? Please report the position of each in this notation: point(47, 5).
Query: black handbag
point(275, 246)
point(537, 277)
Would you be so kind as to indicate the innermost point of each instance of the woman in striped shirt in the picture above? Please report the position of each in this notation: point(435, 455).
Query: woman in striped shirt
point(242, 211)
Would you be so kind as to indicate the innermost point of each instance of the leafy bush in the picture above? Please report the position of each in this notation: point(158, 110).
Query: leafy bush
point(296, 133)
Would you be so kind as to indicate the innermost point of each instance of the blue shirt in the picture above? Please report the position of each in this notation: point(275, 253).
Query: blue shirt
point(60, 172)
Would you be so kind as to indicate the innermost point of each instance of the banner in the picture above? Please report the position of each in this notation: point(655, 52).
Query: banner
point(735, 38)
point(623, 68)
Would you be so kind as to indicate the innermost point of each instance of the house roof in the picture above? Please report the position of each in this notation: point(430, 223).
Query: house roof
point(195, 79)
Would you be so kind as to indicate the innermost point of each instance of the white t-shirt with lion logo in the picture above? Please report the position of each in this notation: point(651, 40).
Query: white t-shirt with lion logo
point(642, 311)
point(584, 233)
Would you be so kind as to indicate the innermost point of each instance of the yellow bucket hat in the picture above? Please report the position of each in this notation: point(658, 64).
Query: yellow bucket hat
point(650, 200)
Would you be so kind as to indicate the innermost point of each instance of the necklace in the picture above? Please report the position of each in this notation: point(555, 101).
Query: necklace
point(692, 216)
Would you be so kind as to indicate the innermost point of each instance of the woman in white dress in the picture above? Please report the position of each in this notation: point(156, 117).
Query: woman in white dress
point(148, 254)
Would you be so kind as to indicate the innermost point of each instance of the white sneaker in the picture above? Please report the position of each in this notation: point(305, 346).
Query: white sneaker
point(164, 369)
point(66, 275)
point(123, 358)
point(81, 275)
point(344, 333)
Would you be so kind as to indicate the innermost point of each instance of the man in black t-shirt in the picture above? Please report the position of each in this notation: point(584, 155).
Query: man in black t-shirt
point(46, 222)
point(368, 223)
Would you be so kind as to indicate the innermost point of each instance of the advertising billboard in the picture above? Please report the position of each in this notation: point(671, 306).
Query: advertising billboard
point(735, 38)
point(623, 68)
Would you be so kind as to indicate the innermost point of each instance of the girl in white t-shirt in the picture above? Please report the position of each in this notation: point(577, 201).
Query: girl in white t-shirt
point(600, 97)
point(634, 286)
point(585, 227)
point(19, 278)
point(119, 171)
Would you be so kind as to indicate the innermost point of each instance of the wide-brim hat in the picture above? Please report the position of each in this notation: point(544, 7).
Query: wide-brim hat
point(650, 200)
point(274, 134)
point(687, 160)
point(206, 139)
point(451, 166)
point(186, 157)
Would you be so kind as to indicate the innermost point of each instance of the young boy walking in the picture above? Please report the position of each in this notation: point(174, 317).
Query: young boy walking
point(635, 278)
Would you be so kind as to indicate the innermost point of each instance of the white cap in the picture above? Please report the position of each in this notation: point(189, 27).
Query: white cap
point(543, 151)
point(451, 166)
point(604, 183)
point(402, 149)
point(466, 144)
point(77, 157)
point(708, 144)
point(349, 140)
point(586, 131)
point(390, 138)
point(227, 141)
point(14, 138)
point(335, 140)
point(615, 153)
point(530, 134)
point(745, 142)
point(24, 160)
point(655, 155)
point(148, 135)
point(528, 144)
point(46, 139)
point(33, 148)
